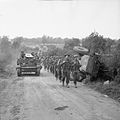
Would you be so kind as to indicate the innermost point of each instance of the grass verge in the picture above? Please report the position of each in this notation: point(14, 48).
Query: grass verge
point(112, 89)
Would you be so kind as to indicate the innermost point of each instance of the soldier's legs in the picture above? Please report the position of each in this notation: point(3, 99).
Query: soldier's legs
point(67, 82)
point(63, 80)
point(76, 78)
point(75, 83)
point(51, 69)
point(48, 68)
point(56, 74)
point(44, 67)
point(67, 78)
point(60, 75)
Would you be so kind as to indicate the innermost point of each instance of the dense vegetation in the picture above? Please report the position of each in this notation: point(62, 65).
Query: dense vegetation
point(109, 51)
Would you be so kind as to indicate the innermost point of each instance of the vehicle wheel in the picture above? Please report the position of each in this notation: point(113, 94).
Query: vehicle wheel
point(18, 72)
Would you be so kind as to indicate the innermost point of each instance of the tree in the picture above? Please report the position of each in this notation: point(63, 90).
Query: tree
point(5, 44)
point(109, 43)
point(5, 52)
point(95, 43)
point(44, 39)
point(116, 54)
point(17, 42)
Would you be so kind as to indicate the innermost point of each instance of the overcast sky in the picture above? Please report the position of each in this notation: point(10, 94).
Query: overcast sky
point(74, 18)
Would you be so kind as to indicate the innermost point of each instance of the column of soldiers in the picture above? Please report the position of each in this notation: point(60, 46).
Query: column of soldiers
point(63, 67)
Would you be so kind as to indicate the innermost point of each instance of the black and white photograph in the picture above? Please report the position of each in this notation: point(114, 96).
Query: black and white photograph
point(59, 59)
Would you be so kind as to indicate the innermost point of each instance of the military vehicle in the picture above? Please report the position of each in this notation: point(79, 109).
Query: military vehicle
point(28, 64)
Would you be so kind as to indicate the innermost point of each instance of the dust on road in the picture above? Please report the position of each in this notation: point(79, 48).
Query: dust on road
point(44, 98)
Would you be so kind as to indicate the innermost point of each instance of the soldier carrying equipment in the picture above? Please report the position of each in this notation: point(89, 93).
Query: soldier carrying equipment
point(75, 71)
point(66, 68)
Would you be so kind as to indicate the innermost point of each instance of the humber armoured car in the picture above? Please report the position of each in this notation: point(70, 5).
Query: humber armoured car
point(28, 64)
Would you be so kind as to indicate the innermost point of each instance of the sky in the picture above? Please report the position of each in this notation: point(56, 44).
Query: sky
point(60, 18)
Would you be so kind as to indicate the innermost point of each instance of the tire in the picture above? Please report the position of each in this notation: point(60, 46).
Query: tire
point(18, 72)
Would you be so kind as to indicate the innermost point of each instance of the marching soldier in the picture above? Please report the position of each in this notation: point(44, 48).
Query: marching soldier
point(56, 68)
point(59, 69)
point(66, 67)
point(75, 70)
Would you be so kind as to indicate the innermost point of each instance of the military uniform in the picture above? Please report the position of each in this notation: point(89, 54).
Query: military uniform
point(66, 68)
point(75, 71)
point(59, 69)
point(56, 69)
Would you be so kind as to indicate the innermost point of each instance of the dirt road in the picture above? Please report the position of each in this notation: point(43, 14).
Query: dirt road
point(44, 98)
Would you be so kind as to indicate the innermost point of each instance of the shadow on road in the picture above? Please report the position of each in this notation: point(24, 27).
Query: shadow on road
point(61, 108)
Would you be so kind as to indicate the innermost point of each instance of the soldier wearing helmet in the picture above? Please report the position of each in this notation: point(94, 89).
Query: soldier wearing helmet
point(76, 69)
point(66, 68)
point(22, 54)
